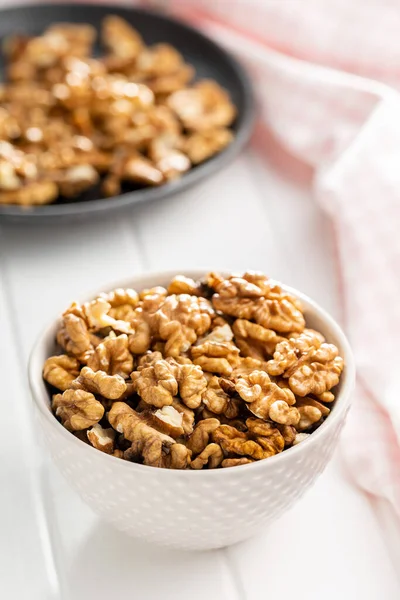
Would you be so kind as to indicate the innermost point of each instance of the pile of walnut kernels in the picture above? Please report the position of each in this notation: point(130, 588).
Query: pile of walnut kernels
point(214, 373)
point(70, 122)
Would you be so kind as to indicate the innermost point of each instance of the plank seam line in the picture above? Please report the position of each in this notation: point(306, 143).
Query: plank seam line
point(35, 483)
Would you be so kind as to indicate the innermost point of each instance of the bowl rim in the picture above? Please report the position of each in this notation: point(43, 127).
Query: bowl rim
point(41, 396)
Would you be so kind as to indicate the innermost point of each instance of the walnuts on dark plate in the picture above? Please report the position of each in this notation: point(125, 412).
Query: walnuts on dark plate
point(71, 122)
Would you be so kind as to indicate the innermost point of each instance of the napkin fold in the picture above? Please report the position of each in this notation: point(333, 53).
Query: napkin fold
point(327, 75)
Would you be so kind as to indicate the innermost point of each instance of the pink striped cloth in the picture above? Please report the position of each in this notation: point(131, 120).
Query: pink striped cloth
point(327, 74)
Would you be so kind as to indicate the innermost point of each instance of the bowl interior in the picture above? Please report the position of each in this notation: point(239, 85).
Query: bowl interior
point(316, 318)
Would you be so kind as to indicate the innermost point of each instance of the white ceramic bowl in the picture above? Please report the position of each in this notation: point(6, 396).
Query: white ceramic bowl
point(192, 509)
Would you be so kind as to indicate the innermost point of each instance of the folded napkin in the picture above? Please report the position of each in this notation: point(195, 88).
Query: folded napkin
point(327, 75)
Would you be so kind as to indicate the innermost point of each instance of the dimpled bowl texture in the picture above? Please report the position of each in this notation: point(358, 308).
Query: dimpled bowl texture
point(192, 509)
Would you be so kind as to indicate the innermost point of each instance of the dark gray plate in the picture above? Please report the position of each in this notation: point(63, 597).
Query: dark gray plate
point(209, 60)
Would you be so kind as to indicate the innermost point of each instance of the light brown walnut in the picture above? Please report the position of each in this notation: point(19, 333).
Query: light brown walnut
point(316, 377)
point(60, 371)
point(166, 155)
point(242, 308)
point(73, 336)
point(120, 38)
point(281, 412)
point(96, 316)
point(246, 366)
point(152, 298)
point(156, 384)
point(121, 297)
point(201, 435)
point(235, 295)
point(75, 180)
point(168, 420)
point(102, 439)
point(123, 303)
point(148, 444)
point(261, 393)
point(158, 60)
point(281, 315)
point(221, 332)
point(311, 365)
point(111, 387)
point(33, 193)
point(216, 357)
point(215, 398)
point(310, 333)
point(212, 456)
point(192, 384)
point(180, 320)
point(201, 145)
point(202, 107)
point(163, 85)
point(77, 409)
point(251, 284)
point(236, 422)
point(254, 340)
point(188, 416)
point(112, 356)
point(148, 359)
point(140, 339)
point(183, 285)
point(288, 352)
point(179, 457)
point(288, 433)
point(311, 412)
point(326, 397)
point(259, 442)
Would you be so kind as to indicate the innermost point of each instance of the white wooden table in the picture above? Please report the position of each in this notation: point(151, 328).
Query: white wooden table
point(330, 545)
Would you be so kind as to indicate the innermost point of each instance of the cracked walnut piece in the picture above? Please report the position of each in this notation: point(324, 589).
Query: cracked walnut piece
point(310, 365)
point(74, 337)
point(212, 456)
point(196, 375)
point(159, 382)
point(95, 315)
point(254, 296)
point(254, 340)
point(201, 435)
point(216, 357)
point(60, 371)
point(179, 457)
point(156, 384)
point(112, 356)
point(123, 303)
point(77, 409)
point(266, 399)
point(168, 420)
point(261, 440)
point(215, 398)
point(147, 442)
point(102, 439)
point(111, 387)
point(180, 320)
